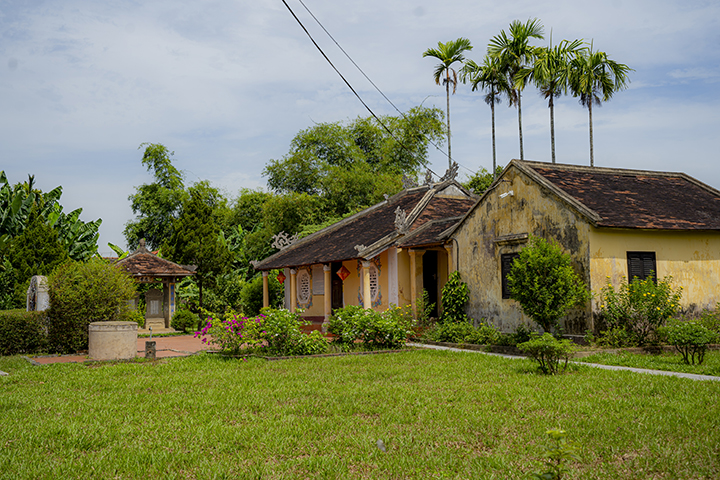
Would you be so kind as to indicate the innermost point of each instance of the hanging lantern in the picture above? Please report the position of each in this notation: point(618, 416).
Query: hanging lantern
point(281, 277)
point(343, 273)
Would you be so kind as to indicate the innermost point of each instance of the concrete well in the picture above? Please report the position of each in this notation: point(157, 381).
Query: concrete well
point(112, 340)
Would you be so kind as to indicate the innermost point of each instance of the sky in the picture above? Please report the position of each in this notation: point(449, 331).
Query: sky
point(226, 85)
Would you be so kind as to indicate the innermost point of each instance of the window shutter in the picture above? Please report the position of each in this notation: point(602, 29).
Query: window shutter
point(506, 262)
point(641, 265)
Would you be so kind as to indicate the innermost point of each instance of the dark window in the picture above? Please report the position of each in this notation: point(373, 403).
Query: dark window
point(641, 265)
point(506, 260)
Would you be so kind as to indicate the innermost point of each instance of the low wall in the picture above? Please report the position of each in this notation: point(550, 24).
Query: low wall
point(112, 340)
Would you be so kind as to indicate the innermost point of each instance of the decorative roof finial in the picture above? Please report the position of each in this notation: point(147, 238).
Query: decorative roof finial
point(402, 225)
point(282, 240)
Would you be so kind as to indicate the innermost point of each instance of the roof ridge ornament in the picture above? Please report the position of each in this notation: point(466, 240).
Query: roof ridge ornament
point(408, 182)
point(428, 177)
point(402, 226)
point(282, 240)
point(450, 173)
point(359, 248)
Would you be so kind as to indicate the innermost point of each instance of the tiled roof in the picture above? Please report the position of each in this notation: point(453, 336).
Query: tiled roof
point(636, 199)
point(428, 234)
point(337, 242)
point(142, 263)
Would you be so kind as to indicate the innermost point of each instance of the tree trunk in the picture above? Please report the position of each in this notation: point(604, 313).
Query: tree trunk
point(492, 110)
point(592, 157)
point(447, 91)
point(200, 289)
point(522, 152)
point(552, 127)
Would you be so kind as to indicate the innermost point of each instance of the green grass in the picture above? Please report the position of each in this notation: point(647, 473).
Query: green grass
point(666, 361)
point(440, 414)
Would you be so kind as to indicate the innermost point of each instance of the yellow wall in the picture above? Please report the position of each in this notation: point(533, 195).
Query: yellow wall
point(530, 210)
point(691, 258)
point(404, 278)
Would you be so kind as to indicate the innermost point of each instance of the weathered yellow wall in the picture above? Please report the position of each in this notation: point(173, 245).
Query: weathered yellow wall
point(530, 210)
point(691, 258)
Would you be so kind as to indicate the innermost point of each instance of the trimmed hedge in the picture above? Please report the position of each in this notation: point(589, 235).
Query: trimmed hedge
point(22, 332)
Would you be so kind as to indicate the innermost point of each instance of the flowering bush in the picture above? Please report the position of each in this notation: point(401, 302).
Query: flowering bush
point(284, 337)
point(232, 333)
point(388, 329)
point(640, 307)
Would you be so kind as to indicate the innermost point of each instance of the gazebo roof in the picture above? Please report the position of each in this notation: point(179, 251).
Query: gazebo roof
point(143, 263)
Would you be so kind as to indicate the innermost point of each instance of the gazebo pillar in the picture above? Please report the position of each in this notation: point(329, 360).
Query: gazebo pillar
point(293, 290)
point(266, 289)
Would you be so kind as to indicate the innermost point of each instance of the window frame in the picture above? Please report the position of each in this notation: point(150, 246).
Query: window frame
point(506, 261)
point(648, 263)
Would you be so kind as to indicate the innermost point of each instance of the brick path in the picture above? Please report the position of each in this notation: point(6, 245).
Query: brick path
point(176, 346)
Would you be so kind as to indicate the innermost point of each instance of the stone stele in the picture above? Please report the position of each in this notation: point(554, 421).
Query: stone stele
point(112, 340)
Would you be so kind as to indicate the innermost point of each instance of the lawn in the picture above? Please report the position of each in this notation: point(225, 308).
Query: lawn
point(666, 361)
point(440, 415)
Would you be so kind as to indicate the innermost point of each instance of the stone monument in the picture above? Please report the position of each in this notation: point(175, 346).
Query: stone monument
point(154, 313)
point(38, 297)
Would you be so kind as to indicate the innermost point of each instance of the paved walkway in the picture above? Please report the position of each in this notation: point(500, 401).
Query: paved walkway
point(691, 376)
point(165, 347)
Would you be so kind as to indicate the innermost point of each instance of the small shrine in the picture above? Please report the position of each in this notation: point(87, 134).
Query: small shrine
point(146, 267)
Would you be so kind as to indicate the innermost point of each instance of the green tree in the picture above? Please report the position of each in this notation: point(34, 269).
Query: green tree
point(594, 78)
point(490, 77)
point(515, 53)
point(81, 293)
point(550, 72)
point(481, 180)
point(195, 238)
point(448, 53)
point(156, 205)
point(36, 251)
point(543, 281)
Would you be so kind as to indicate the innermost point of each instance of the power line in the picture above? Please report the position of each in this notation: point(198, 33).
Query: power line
point(368, 78)
point(348, 83)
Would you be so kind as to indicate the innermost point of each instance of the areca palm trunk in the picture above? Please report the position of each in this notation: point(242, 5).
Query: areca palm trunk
point(492, 110)
point(522, 153)
point(447, 91)
point(592, 157)
point(552, 127)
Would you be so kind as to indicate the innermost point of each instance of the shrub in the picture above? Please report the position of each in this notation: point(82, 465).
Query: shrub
point(455, 294)
point(136, 315)
point(284, 337)
point(640, 307)
point(710, 319)
point(389, 329)
point(543, 281)
point(617, 337)
point(81, 293)
point(22, 332)
point(689, 338)
point(548, 351)
point(485, 334)
point(348, 325)
point(231, 333)
point(424, 310)
point(184, 320)
point(451, 332)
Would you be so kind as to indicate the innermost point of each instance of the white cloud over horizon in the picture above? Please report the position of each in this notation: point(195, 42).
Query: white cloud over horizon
point(226, 85)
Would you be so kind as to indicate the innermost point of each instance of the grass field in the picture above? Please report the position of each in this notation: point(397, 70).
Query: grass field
point(667, 361)
point(440, 415)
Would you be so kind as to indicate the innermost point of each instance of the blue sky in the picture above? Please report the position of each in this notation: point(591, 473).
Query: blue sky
point(226, 86)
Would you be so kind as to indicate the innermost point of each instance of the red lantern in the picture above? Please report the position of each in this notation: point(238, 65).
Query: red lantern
point(281, 278)
point(343, 273)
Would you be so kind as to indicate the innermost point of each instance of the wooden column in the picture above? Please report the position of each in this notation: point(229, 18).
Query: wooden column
point(416, 279)
point(266, 289)
point(293, 289)
point(367, 296)
point(327, 292)
point(451, 258)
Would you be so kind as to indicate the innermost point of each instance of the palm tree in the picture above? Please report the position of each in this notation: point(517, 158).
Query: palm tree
point(448, 53)
point(550, 73)
point(489, 77)
point(595, 78)
point(515, 53)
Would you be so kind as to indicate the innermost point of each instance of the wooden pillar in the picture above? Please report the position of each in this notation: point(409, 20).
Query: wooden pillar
point(327, 292)
point(367, 296)
point(293, 289)
point(451, 258)
point(416, 279)
point(266, 289)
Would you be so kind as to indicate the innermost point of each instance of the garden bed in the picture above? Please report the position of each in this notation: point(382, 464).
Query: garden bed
point(320, 355)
